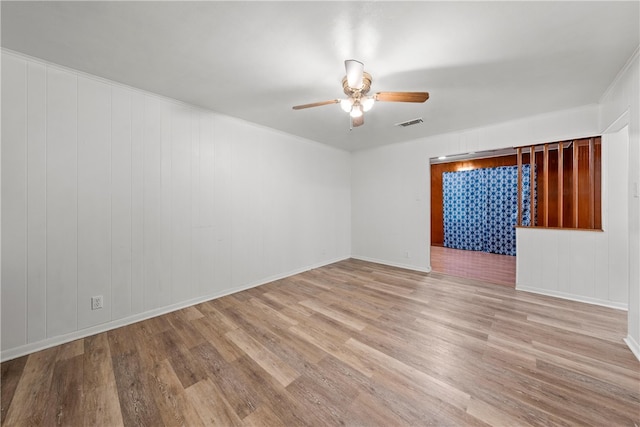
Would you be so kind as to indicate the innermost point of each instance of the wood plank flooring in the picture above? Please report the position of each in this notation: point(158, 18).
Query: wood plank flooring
point(483, 266)
point(352, 343)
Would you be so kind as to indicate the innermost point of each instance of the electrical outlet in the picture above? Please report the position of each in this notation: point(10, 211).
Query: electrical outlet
point(406, 255)
point(96, 302)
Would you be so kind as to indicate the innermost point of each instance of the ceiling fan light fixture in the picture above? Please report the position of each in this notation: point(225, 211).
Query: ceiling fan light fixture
point(356, 85)
point(356, 111)
point(368, 103)
point(346, 105)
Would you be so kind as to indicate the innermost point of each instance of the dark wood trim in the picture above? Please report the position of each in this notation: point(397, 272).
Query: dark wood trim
point(575, 178)
point(539, 227)
point(545, 185)
point(592, 183)
point(519, 156)
point(560, 183)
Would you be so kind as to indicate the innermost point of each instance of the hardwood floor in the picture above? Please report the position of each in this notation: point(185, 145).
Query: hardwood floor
point(352, 343)
point(483, 266)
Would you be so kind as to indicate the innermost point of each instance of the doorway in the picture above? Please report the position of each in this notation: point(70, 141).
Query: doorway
point(484, 266)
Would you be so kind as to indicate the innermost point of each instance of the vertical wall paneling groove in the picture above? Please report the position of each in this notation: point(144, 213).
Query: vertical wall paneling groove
point(179, 204)
point(14, 206)
point(211, 266)
point(121, 207)
point(94, 201)
point(163, 291)
point(152, 204)
point(197, 230)
point(220, 202)
point(137, 201)
point(201, 235)
point(223, 183)
point(62, 196)
point(36, 202)
point(209, 202)
point(247, 239)
point(582, 261)
point(149, 202)
point(270, 185)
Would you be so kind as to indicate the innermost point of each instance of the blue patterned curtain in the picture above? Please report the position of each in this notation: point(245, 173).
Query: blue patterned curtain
point(465, 200)
point(480, 208)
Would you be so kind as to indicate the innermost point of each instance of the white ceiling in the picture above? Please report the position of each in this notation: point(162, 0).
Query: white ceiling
point(481, 62)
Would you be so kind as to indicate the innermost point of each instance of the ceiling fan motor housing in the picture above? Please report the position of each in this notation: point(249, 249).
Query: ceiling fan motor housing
point(357, 92)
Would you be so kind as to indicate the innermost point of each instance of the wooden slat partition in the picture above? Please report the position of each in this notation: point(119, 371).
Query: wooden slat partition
point(519, 156)
point(576, 207)
point(532, 182)
point(545, 185)
point(560, 182)
point(556, 196)
point(592, 183)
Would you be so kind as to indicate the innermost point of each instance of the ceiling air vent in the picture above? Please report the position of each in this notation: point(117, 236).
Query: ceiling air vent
point(410, 122)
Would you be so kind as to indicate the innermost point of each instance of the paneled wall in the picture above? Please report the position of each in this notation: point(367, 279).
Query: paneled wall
point(153, 204)
point(621, 108)
point(577, 264)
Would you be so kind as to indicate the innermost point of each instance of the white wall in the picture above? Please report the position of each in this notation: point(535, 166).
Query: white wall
point(168, 204)
point(581, 265)
point(391, 185)
point(621, 107)
point(153, 204)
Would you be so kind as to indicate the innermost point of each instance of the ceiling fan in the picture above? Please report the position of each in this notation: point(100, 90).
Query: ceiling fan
point(356, 85)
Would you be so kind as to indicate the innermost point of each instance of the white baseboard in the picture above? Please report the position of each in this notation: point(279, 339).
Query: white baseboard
point(572, 297)
point(394, 264)
point(29, 348)
point(633, 346)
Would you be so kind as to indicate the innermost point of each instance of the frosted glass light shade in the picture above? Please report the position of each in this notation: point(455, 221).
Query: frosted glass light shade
point(346, 105)
point(367, 104)
point(356, 111)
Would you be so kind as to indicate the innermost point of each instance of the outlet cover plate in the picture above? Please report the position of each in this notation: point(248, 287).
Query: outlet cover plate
point(96, 302)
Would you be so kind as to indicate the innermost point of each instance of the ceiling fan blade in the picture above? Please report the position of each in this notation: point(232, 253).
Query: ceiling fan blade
point(357, 121)
point(402, 96)
point(355, 70)
point(316, 104)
